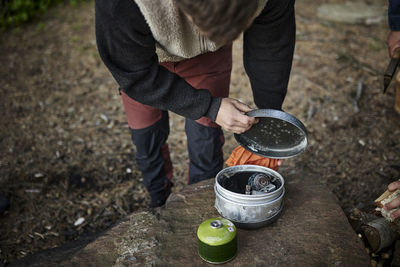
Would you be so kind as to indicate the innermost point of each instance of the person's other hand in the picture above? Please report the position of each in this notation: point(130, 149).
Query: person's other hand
point(231, 116)
point(395, 203)
point(393, 42)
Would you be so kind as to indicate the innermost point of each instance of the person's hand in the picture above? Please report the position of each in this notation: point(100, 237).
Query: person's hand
point(393, 42)
point(231, 116)
point(395, 203)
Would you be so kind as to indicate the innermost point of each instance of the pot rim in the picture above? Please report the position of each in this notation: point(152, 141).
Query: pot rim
point(248, 167)
point(255, 204)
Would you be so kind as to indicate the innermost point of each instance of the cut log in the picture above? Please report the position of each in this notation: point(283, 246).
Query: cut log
point(378, 231)
point(380, 234)
point(358, 218)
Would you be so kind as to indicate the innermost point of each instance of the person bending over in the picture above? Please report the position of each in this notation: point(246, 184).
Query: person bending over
point(176, 55)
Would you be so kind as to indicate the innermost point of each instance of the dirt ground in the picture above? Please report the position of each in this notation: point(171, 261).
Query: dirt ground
point(67, 162)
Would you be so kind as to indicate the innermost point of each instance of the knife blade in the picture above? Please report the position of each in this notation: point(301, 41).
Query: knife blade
point(391, 69)
point(389, 73)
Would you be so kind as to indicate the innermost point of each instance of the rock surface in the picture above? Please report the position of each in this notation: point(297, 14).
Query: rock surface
point(311, 231)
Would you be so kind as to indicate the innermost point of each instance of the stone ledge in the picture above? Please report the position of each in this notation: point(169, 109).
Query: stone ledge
point(311, 231)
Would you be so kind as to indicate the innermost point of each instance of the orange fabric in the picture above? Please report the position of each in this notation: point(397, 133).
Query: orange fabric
point(241, 156)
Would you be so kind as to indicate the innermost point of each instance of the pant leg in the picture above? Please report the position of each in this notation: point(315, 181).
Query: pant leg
point(205, 138)
point(150, 129)
point(269, 72)
point(205, 150)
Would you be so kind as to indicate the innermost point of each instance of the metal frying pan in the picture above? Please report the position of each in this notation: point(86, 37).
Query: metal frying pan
point(276, 135)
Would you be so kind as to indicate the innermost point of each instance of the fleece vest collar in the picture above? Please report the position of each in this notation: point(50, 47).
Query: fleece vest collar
point(176, 37)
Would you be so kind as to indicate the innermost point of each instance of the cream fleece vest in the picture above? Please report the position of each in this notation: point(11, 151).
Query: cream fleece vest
point(176, 37)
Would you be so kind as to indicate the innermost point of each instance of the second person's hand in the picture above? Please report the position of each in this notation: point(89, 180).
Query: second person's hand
point(393, 42)
point(395, 203)
point(231, 116)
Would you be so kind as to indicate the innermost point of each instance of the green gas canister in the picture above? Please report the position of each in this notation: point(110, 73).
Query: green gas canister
point(217, 240)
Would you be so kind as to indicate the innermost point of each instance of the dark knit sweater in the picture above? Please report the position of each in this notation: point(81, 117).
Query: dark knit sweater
point(394, 15)
point(127, 48)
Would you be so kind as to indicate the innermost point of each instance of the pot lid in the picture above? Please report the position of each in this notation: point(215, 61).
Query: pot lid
point(216, 231)
point(276, 135)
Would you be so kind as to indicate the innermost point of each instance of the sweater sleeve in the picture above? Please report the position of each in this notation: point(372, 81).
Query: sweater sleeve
point(268, 53)
point(394, 15)
point(127, 48)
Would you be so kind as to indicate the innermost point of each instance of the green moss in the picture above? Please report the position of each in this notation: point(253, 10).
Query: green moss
point(14, 13)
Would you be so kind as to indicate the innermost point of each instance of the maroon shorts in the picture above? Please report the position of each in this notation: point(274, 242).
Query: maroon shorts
point(211, 71)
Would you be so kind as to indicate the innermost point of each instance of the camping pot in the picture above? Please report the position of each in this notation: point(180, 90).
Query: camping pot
point(217, 241)
point(277, 135)
point(249, 211)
